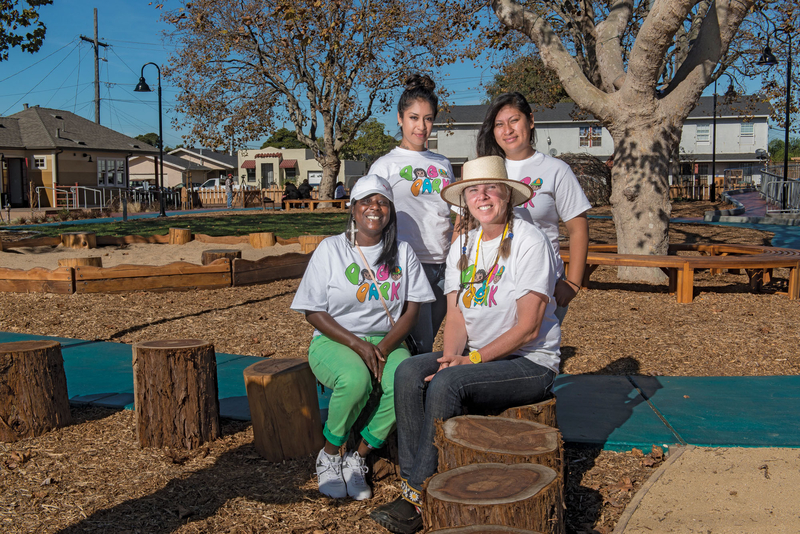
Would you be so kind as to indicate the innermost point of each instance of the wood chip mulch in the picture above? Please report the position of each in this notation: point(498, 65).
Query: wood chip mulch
point(92, 477)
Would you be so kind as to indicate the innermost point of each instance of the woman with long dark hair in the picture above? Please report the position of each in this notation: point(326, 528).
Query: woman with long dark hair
point(508, 131)
point(360, 323)
point(501, 339)
point(417, 176)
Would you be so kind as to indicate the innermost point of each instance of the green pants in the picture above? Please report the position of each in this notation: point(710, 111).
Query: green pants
point(343, 371)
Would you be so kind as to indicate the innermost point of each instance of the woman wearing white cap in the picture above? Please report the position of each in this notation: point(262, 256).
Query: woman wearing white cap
point(417, 177)
point(501, 337)
point(360, 322)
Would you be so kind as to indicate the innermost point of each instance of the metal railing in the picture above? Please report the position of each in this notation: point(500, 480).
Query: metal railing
point(782, 196)
point(70, 197)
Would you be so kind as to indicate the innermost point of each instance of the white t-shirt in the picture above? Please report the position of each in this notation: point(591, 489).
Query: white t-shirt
point(556, 194)
point(490, 311)
point(336, 281)
point(423, 218)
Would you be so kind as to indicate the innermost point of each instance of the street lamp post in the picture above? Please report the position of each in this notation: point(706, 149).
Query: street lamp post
point(768, 59)
point(731, 92)
point(142, 87)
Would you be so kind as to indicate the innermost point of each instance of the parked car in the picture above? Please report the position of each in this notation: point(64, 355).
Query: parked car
point(195, 186)
point(212, 183)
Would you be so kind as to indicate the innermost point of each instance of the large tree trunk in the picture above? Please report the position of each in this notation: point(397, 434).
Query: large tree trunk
point(330, 174)
point(640, 190)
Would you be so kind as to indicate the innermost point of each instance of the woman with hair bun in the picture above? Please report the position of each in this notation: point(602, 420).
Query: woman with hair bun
point(508, 131)
point(417, 177)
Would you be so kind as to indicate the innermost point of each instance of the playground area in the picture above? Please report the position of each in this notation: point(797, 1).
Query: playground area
point(92, 476)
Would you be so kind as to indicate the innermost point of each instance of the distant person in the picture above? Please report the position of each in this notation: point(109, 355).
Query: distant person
point(417, 176)
point(305, 189)
point(229, 190)
point(290, 192)
point(340, 192)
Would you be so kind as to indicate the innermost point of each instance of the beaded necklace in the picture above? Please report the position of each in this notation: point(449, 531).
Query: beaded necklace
point(479, 300)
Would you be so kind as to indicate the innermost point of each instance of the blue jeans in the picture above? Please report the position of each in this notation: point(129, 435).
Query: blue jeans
point(230, 199)
point(490, 386)
point(431, 314)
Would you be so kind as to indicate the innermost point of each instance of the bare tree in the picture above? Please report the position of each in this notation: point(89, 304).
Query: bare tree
point(639, 67)
point(326, 66)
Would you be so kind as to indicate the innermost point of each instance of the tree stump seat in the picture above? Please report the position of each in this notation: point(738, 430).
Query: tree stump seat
point(33, 389)
point(284, 409)
point(180, 236)
point(175, 391)
point(484, 529)
point(262, 239)
point(90, 261)
point(210, 256)
point(309, 243)
point(527, 496)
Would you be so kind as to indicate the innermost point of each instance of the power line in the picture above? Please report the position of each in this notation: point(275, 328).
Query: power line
point(34, 64)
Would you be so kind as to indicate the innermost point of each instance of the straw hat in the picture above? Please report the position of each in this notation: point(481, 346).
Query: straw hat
point(486, 170)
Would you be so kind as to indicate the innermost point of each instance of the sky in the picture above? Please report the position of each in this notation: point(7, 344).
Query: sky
point(61, 74)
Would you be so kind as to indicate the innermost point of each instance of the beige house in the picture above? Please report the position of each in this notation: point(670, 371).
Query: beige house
point(275, 166)
point(183, 166)
point(52, 158)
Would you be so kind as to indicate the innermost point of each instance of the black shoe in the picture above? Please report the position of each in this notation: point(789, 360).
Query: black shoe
point(399, 516)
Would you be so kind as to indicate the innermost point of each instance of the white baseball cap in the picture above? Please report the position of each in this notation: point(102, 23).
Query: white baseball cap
point(369, 185)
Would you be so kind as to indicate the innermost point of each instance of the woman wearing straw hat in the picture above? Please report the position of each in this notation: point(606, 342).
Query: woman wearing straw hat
point(501, 337)
point(360, 322)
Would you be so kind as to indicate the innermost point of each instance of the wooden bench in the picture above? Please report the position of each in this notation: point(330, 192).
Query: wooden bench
point(265, 201)
point(757, 261)
point(312, 203)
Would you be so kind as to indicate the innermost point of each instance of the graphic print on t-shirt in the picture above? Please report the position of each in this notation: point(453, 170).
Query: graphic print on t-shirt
point(481, 292)
point(425, 182)
point(366, 289)
point(535, 185)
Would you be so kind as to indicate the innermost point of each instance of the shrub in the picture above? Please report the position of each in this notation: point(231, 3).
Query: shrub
point(63, 215)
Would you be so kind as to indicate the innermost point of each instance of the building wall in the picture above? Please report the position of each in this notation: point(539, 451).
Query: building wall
point(307, 166)
point(142, 168)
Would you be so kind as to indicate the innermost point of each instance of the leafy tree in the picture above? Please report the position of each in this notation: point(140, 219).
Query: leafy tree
point(639, 67)
point(149, 138)
point(283, 138)
point(529, 76)
point(21, 27)
point(325, 66)
point(776, 150)
point(372, 142)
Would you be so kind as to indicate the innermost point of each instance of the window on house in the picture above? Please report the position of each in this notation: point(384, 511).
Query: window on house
point(703, 134)
point(747, 132)
point(111, 172)
point(39, 162)
point(433, 144)
point(591, 136)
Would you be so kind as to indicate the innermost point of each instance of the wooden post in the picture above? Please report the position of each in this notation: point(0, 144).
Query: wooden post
point(179, 236)
point(33, 389)
point(209, 256)
point(262, 239)
point(91, 261)
point(309, 243)
point(543, 412)
point(526, 496)
point(284, 408)
point(472, 439)
point(175, 389)
point(79, 240)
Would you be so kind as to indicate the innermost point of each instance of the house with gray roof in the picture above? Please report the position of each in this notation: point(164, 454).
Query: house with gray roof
point(51, 155)
point(742, 129)
point(183, 166)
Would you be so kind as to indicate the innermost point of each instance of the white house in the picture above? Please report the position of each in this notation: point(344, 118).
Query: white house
point(741, 130)
point(274, 166)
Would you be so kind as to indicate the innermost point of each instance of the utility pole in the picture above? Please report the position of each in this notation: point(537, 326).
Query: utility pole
point(96, 44)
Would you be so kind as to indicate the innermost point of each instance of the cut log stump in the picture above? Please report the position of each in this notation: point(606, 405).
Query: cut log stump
point(210, 256)
point(91, 261)
point(179, 236)
point(262, 239)
point(484, 529)
point(543, 412)
point(79, 240)
point(175, 390)
point(33, 389)
point(471, 439)
point(525, 496)
point(284, 409)
point(309, 243)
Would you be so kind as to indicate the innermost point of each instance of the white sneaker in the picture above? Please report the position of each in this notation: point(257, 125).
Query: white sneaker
point(329, 475)
point(353, 470)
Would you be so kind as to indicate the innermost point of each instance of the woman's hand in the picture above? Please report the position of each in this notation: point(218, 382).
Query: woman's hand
point(372, 357)
point(449, 360)
point(564, 293)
